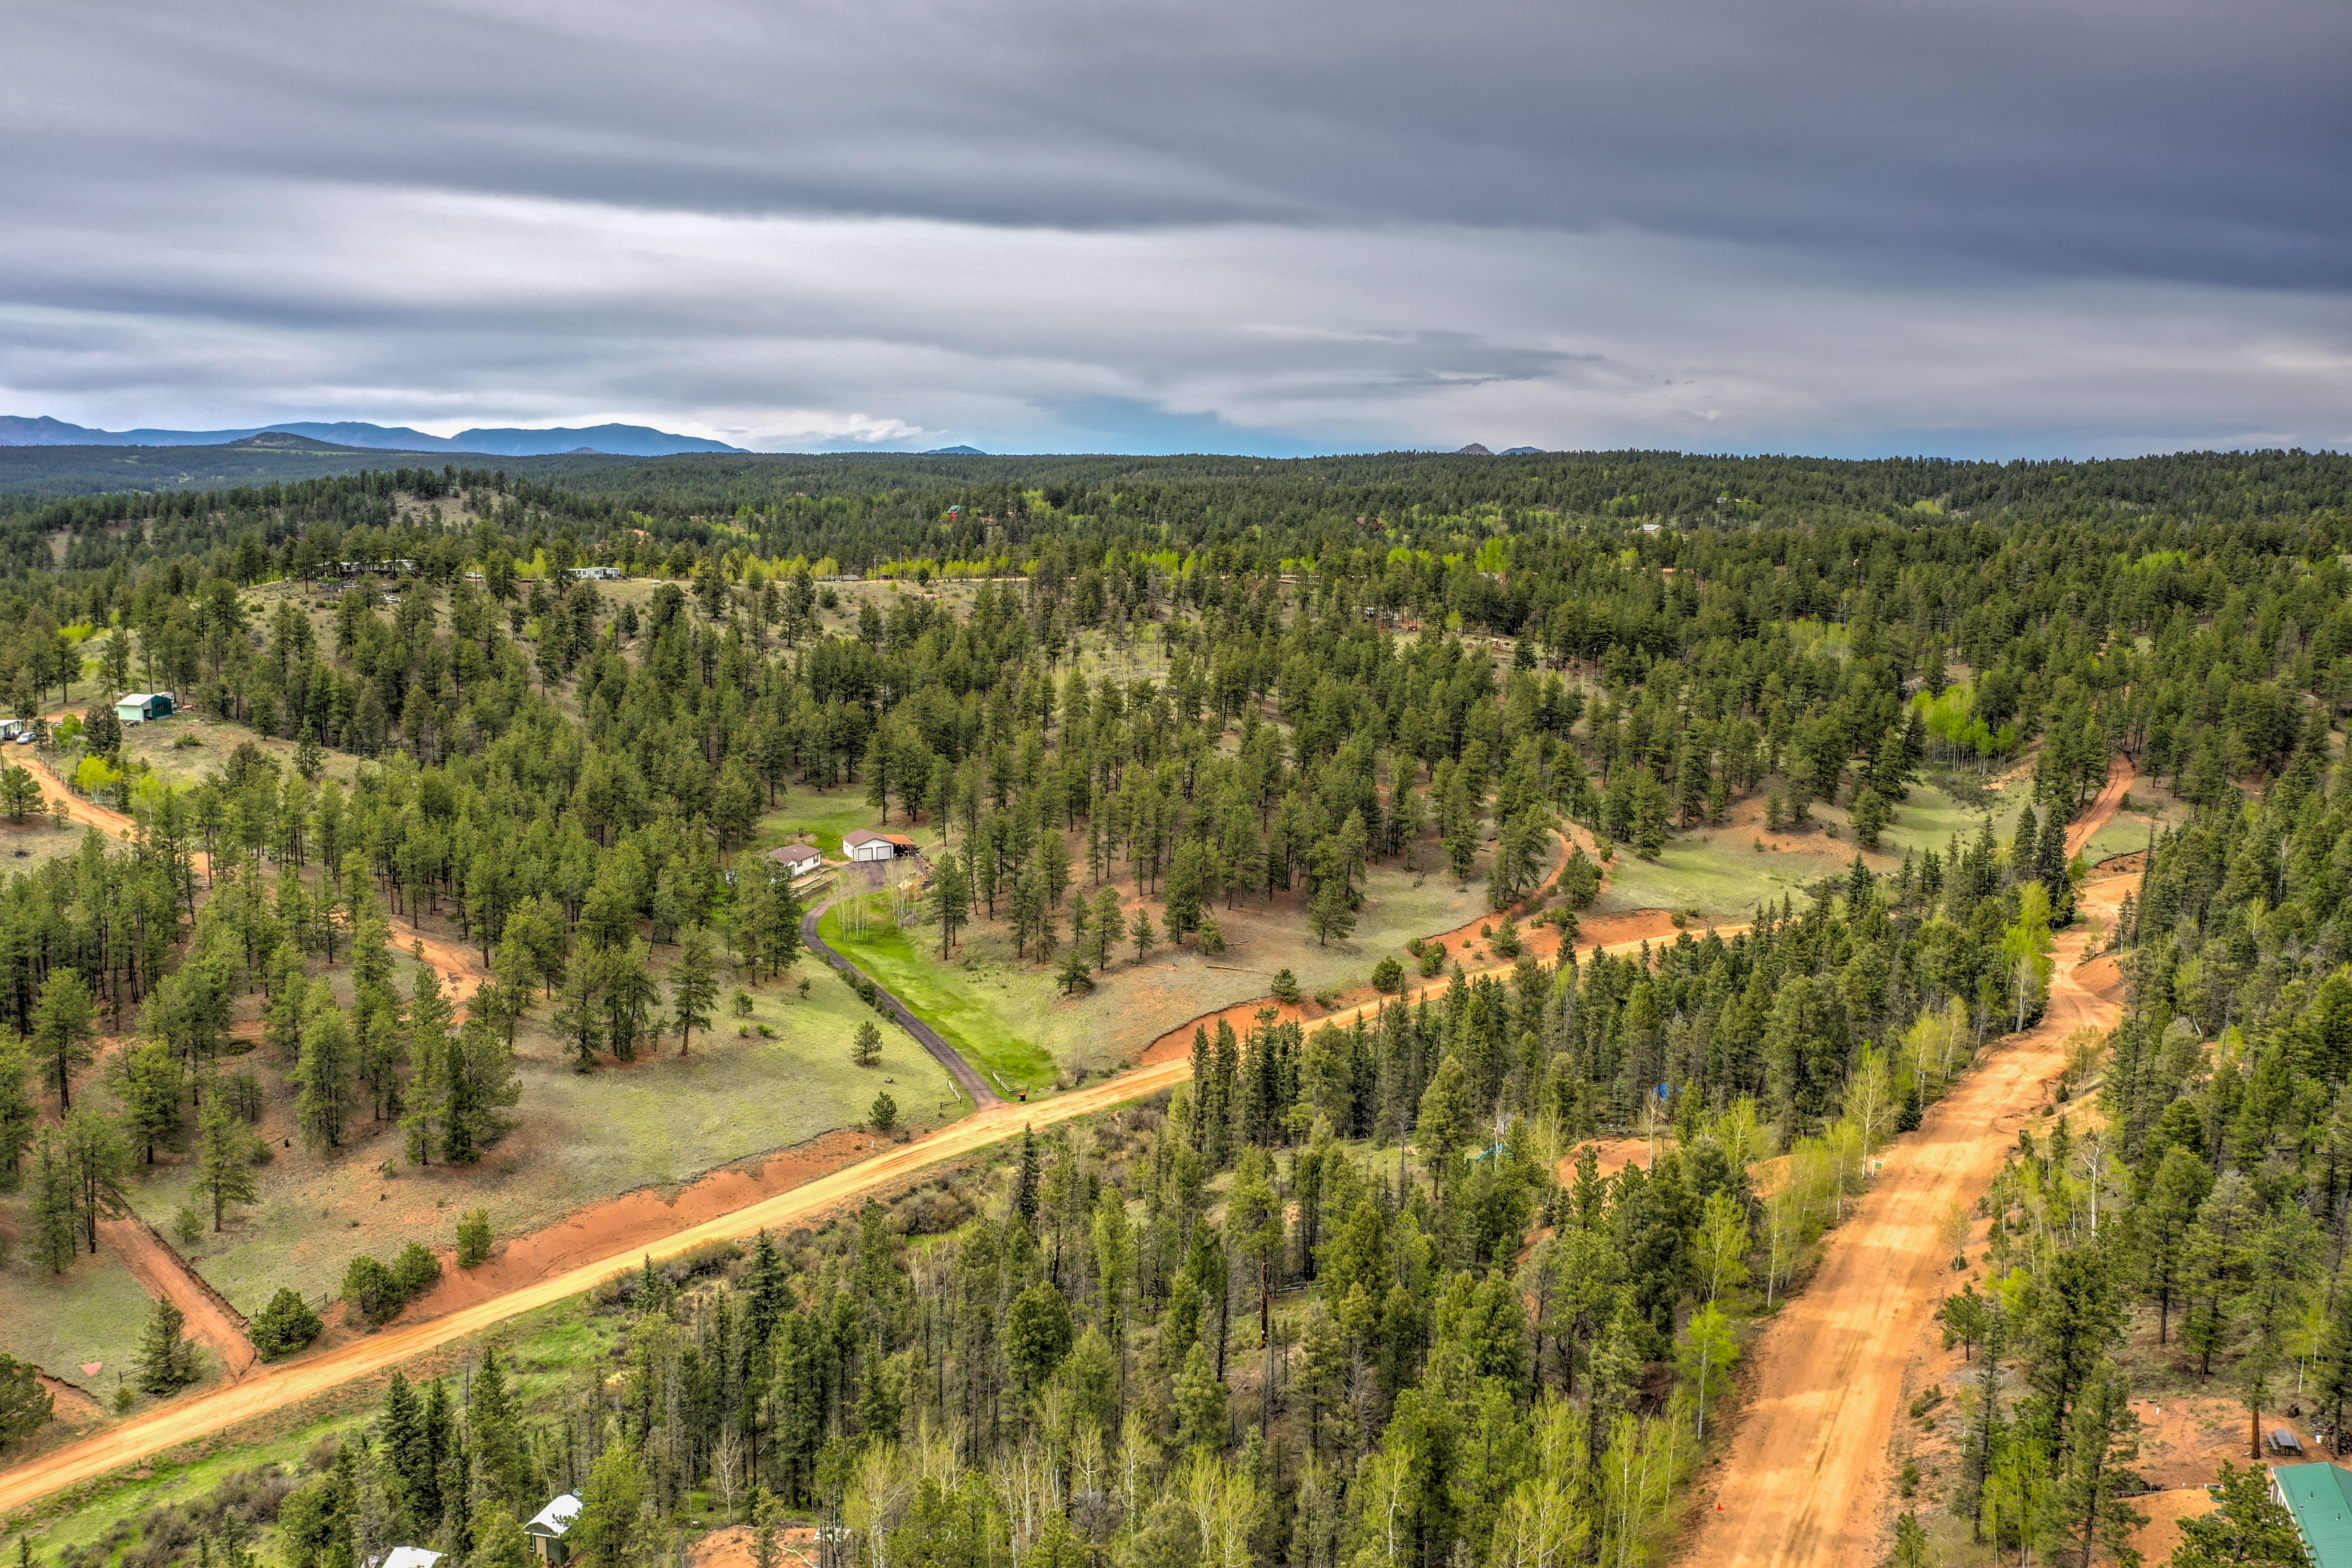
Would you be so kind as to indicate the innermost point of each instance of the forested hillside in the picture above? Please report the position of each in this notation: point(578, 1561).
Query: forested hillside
point(1349, 1296)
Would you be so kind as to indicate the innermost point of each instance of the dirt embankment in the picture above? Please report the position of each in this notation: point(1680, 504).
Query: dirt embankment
point(1806, 1477)
point(637, 1219)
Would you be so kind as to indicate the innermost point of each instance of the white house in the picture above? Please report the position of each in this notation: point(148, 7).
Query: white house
point(798, 859)
point(547, 1527)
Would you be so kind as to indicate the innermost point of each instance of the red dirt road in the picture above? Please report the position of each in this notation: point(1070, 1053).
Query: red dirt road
point(1805, 1478)
point(265, 1389)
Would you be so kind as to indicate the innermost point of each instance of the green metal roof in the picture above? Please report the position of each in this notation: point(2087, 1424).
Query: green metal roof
point(2320, 1498)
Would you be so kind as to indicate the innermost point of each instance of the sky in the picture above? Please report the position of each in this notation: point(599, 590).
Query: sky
point(1987, 229)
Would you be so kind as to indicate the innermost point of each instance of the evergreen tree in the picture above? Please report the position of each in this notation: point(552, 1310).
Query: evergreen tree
point(167, 1359)
point(693, 986)
point(64, 1029)
point(53, 1233)
point(223, 1159)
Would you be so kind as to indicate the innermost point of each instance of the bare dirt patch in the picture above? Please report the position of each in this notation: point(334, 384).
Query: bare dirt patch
point(730, 1547)
point(2160, 1536)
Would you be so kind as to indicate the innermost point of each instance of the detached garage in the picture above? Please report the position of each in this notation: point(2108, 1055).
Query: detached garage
point(141, 706)
point(867, 845)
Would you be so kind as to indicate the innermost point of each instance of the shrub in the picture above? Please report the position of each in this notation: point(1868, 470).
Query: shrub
point(1416, 945)
point(1286, 987)
point(742, 1004)
point(187, 1226)
point(416, 1270)
point(1433, 960)
point(371, 1290)
point(474, 1239)
point(883, 1114)
point(1506, 939)
point(1388, 975)
point(1579, 879)
point(285, 1325)
point(1210, 937)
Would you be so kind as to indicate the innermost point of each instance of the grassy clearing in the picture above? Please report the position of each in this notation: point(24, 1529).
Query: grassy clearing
point(1000, 998)
point(581, 1138)
point(1930, 816)
point(93, 1312)
point(830, 814)
point(25, 844)
point(952, 999)
point(1724, 882)
point(2154, 810)
point(1720, 873)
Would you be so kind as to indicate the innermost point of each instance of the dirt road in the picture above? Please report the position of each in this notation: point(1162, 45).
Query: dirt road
point(265, 1389)
point(113, 824)
point(211, 1323)
point(1805, 1477)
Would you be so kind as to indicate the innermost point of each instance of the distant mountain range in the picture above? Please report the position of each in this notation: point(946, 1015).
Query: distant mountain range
point(1477, 450)
point(618, 440)
point(953, 451)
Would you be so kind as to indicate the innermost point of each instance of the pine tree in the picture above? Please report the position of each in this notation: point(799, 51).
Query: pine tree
point(64, 1029)
point(98, 1161)
point(866, 1046)
point(166, 1359)
point(693, 985)
point(325, 1077)
point(146, 1079)
point(494, 1426)
point(1025, 1183)
point(224, 1157)
point(948, 901)
point(19, 1118)
point(53, 1233)
point(427, 1092)
point(24, 1406)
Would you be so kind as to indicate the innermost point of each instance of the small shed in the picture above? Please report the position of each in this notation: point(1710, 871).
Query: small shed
point(547, 1527)
point(2319, 1496)
point(798, 859)
point(866, 844)
point(140, 707)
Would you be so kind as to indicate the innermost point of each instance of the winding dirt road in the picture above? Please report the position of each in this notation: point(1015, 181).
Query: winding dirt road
point(1805, 1477)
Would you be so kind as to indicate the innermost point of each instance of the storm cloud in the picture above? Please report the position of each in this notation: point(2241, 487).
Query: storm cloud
point(1989, 229)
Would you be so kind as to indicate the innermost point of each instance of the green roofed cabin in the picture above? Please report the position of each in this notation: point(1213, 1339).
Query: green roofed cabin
point(2320, 1498)
point(141, 706)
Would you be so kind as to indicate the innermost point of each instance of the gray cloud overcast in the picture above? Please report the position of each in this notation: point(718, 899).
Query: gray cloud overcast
point(1832, 224)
